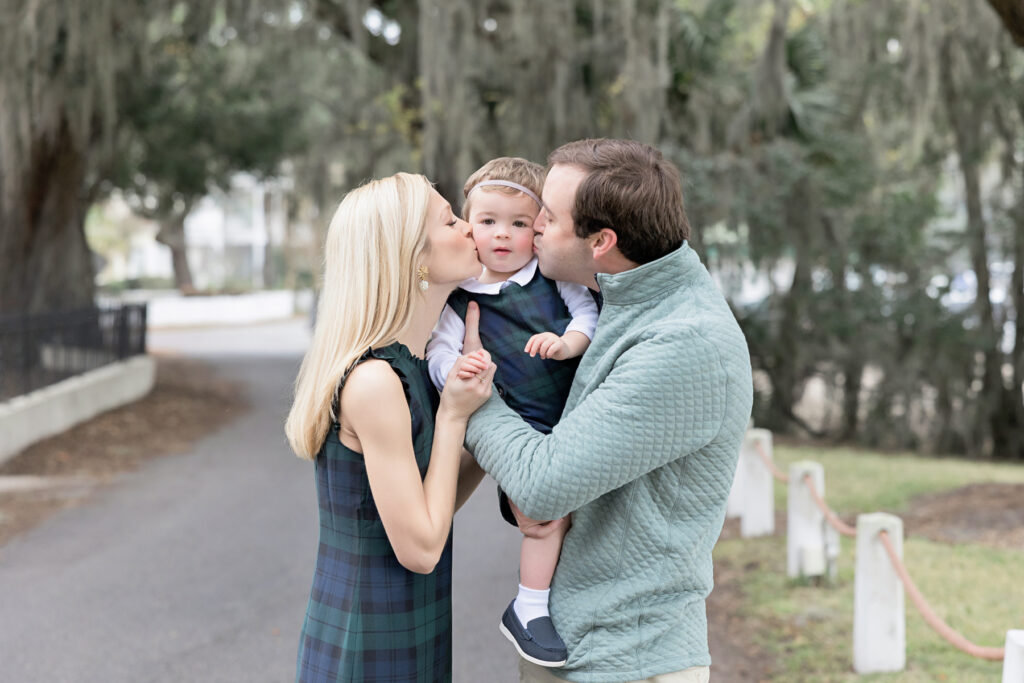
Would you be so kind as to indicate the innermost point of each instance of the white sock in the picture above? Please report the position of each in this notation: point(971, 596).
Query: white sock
point(531, 604)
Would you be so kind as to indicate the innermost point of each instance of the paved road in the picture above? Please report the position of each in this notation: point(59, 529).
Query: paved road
point(197, 567)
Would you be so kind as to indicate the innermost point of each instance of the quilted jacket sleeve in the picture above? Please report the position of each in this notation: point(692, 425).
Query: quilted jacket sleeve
point(664, 398)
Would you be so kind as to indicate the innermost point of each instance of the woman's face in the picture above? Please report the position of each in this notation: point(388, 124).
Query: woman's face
point(450, 256)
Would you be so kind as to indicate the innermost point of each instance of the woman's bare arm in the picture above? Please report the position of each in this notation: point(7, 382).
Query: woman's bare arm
point(417, 514)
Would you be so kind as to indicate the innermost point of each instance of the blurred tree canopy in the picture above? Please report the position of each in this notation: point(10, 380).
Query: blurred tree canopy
point(207, 109)
point(854, 170)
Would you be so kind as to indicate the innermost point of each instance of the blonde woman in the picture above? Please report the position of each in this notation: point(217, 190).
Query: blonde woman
point(388, 450)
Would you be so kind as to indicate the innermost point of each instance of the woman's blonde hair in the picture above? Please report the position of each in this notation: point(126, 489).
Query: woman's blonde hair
point(374, 245)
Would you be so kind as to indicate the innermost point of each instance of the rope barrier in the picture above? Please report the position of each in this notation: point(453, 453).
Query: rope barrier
point(833, 519)
point(769, 463)
point(930, 617)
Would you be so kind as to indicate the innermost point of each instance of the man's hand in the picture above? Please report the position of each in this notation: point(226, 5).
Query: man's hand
point(533, 528)
point(471, 342)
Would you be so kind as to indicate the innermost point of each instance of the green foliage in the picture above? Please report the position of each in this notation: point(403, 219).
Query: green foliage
point(205, 110)
point(820, 143)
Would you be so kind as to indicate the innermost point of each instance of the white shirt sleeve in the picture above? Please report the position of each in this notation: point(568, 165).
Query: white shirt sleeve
point(445, 346)
point(581, 307)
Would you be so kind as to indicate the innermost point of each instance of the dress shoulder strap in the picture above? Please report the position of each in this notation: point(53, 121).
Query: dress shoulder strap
point(336, 400)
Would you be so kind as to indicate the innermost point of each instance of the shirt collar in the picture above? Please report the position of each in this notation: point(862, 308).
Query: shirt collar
point(521, 277)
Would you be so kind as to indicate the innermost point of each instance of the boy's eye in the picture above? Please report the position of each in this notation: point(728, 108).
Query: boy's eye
point(520, 224)
point(488, 221)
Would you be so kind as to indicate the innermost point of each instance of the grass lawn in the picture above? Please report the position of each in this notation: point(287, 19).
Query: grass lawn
point(808, 630)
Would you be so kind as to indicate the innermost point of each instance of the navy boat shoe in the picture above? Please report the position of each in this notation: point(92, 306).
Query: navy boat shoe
point(537, 642)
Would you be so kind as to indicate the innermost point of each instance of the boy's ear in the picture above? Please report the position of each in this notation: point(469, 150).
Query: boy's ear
point(603, 242)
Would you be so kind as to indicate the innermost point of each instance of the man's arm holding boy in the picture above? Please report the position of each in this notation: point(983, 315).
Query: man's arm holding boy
point(608, 439)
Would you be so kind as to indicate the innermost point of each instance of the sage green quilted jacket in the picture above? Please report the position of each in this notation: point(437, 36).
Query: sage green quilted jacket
point(643, 458)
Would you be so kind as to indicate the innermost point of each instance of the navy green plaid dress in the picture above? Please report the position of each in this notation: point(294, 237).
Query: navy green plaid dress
point(369, 618)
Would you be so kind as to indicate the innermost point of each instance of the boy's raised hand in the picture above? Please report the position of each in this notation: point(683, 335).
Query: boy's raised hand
point(472, 365)
point(548, 345)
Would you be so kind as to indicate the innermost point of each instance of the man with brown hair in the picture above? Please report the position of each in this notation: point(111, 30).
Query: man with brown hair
point(646, 448)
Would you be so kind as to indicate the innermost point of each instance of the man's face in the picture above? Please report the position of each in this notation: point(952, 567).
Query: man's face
point(561, 254)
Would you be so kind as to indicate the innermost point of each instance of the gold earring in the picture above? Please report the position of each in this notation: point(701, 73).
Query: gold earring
point(422, 273)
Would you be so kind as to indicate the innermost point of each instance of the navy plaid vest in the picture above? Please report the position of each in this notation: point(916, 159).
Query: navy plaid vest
point(533, 387)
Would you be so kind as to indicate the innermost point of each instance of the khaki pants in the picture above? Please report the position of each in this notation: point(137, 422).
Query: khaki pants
point(531, 673)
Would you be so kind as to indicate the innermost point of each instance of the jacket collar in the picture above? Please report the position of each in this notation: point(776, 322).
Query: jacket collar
point(647, 281)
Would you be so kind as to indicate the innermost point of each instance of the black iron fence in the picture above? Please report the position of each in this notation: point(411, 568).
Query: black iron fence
point(39, 349)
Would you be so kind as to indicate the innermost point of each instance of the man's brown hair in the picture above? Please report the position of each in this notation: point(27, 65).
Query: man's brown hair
point(516, 169)
point(630, 188)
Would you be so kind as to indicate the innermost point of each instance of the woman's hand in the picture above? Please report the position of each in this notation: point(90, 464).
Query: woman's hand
point(468, 386)
point(471, 337)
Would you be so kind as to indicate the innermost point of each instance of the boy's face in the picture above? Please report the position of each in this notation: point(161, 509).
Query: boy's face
point(503, 229)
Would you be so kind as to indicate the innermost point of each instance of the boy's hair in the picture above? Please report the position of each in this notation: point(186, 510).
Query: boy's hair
point(630, 188)
point(516, 169)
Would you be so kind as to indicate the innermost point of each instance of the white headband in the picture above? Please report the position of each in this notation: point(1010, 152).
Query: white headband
point(507, 183)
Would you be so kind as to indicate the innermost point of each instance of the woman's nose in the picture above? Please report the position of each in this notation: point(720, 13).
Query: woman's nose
point(467, 229)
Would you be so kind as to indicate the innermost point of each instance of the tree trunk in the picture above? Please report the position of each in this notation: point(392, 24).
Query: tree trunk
point(45, 262)
point(1016, 392)
point(964, 115)
point(946, 438)
point(270, 265)
point(644, 74)
point(172, 235)
point(770, 106)
point(853, 372)
point(451, 114)
point(786, 370)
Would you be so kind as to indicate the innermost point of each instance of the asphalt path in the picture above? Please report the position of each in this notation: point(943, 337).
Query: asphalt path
point(197, 567)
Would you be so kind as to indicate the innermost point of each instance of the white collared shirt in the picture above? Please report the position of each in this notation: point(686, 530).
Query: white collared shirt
point(445, 344)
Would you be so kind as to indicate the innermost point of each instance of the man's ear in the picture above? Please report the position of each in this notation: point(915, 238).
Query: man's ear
point(603, 242)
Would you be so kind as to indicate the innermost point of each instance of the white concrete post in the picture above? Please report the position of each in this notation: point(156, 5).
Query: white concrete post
point(832, 548)
point(758, 516)
point(805, 542)
point(879, 615)
point(1013, 661)
point(734, 504)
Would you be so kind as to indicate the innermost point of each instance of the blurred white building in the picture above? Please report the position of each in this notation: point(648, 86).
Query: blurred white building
point(230, 238)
